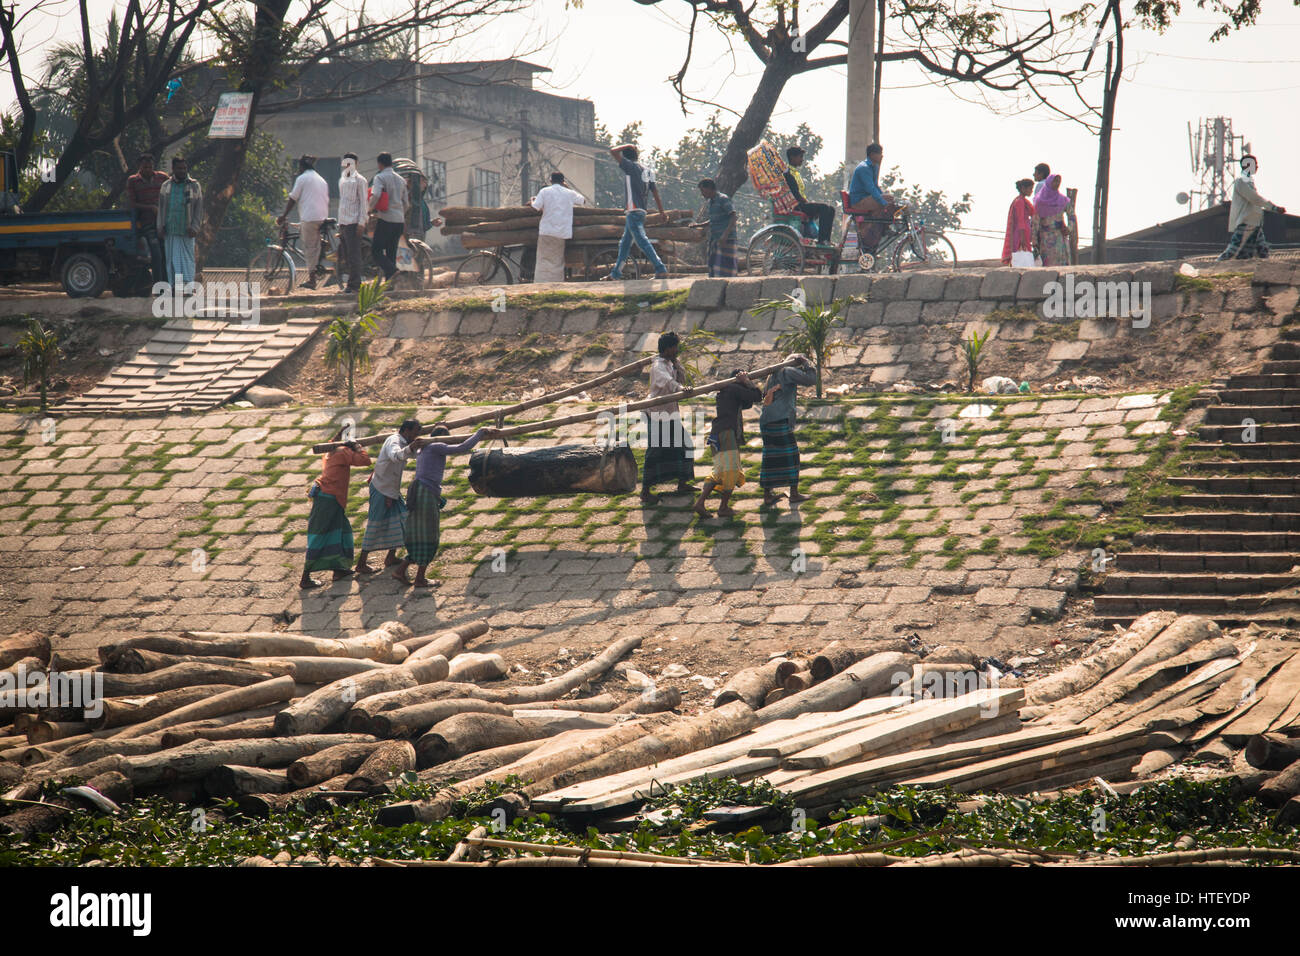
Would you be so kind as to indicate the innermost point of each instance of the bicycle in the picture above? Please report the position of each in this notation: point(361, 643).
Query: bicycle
point(782, 246)
point(278, 265)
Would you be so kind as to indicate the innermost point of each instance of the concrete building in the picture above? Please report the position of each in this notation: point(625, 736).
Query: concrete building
point(479, 130)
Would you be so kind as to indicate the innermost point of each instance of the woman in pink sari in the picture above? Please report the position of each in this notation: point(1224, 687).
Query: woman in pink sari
point(1020, 223)
point(1053, 234)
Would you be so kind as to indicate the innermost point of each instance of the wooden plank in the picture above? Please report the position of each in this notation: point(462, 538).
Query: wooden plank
point(1015, 768)
point(1117, 769)
point(1276, 695)
point(742, 746)
point(865, 772)
point(1198, 684)
point(943, 716)
point(740, 768)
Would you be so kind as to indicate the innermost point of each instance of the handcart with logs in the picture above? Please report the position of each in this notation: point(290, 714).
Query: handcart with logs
point(502, 243)
point(571, 469)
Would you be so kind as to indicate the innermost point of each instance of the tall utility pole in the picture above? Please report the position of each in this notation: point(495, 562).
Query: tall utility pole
point(860, 105)
point(524, 171)
point(1114, 71)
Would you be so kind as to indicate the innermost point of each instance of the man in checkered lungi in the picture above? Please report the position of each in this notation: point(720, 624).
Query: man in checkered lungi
point(386, 519)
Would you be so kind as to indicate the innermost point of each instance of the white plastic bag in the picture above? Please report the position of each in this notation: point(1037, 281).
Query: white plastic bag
point(1022, 260)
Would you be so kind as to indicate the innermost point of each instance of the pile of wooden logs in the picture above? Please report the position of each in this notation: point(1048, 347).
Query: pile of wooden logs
point(483, 227)
point(270, 719)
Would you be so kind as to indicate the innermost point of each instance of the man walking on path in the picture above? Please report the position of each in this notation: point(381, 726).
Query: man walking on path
point(388, 202)
point(352, 216)
point(311, 194)
point(1246, 216)
point(142, 191)
point(329, 533)
point(721, 254)
point(726, 437)
point(386, 519)
point(866, 198)
point(667, 455)
point(555, 203)
point(638, 179)
point(424, 500)
point(824, 214)
point(776, 424)
point(180, 213)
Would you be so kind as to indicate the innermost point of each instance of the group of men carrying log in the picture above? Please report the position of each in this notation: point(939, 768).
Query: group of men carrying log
point(393, 522)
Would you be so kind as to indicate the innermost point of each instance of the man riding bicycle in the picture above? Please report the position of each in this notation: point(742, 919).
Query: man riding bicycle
point(866, 199)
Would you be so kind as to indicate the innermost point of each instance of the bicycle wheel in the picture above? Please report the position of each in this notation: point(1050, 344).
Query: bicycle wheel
point(483, 268)
point(775, 253)
point(937, 252)
point(602, 264)
point(273, 270)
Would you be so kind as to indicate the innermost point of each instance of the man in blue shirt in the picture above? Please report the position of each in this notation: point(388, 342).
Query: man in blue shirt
point(866, 198)
point(637, 181)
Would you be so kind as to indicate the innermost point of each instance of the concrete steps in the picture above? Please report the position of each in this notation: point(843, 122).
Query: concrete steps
point(1229, 547)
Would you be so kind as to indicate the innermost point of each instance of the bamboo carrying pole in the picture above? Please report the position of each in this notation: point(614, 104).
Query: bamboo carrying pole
point(550, 423)
point(631, 368)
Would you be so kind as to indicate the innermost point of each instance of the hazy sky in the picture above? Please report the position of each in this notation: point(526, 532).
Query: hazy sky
point(619, 54)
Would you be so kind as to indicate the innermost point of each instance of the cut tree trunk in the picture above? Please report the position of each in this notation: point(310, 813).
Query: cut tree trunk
point(323, 707)
point(409, 721)
point(24, 644)
point(557, 470)
point(388, 761)
point(1272, 751)
point(45, 731)
point(653, 701)
point(873, 676)
point(232, 780)
point(600, 704)
point(232, 701)
point(472, 765)
point(342, 760)
point(263, 804)
point(248, 729)
point(557, 687)
point(195, 761)
point(29, 821)
point(470, 668)
point(751, 685)
point(137, 660)
point(317, 670)
point(120, 711)
point(1085, 673)
point(787, 666)
point(832, 659)
point(180, 675)
point(462, 633)
point(1281, 787)
point(465, 733)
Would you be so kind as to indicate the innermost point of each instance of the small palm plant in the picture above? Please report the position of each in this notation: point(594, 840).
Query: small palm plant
point(972, 350)
point(814, 324)
point(349, 339)
point(40, 351)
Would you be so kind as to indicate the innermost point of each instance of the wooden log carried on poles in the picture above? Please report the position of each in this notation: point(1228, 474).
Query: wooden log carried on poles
point(558, 470)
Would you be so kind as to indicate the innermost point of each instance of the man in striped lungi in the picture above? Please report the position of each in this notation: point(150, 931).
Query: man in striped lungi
point(776, 422)
point(386, 519)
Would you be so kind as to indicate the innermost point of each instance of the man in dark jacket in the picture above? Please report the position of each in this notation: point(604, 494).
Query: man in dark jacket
point(824, 214)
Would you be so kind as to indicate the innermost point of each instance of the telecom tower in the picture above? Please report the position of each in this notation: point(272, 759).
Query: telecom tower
point(1215, 151)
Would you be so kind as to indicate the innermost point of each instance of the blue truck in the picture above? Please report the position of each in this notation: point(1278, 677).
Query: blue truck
point(87, 252)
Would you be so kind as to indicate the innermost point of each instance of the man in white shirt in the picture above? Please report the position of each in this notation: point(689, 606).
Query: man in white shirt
point(670, 450)
point(1246, 215)
point(386, 519)
point(555, 203)
point(311, 194)
point(352, 216)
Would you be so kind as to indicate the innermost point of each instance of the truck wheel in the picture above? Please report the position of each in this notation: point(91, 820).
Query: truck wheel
point(84, 275)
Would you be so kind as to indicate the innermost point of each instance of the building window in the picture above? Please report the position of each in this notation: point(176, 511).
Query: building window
point(487, 188)
point(435, 170)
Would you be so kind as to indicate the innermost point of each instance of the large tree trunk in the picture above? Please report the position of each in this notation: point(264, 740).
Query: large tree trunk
point(470, 668)
point(1272, 751)
point(557, 470)
point(1083, 674)
point(330, 762)
point(29, 821)
point(557, 687)
point(1281, 787)
point(408, 721)
point(242, 698)
point(24, 644)
point(465, 733)
point(137, 660)
point(120, 711)
point(388, 761)
point(195, 761)
point(733, 170)
point(232, 780)
point(321, 708)
point(752, 685)
point(262, 804)
point(181, 675)
point(832, 659)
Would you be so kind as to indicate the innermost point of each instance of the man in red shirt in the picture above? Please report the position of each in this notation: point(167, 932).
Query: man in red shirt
point(142, 196)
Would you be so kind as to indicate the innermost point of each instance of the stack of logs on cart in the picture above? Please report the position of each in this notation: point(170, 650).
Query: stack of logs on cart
point(484, 227)
point(271, 719)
